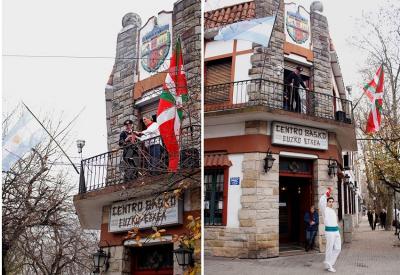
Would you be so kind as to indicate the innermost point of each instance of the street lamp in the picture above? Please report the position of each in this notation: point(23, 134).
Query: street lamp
point(184, 256)
point(268, 162)
point(80, 143)
point(332, 167)
point(100, 259)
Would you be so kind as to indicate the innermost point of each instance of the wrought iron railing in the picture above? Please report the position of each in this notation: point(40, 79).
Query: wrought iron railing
point(138, 162)
point(261, 92)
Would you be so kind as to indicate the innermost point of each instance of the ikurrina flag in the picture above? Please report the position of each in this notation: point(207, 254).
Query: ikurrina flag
point(169, 114)
point(374, 91)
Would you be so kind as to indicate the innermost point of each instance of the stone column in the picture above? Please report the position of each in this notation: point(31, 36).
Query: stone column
point(259, 215)
point(322, 74)
point(321, 182)
point(119, 98)
point(186, 24)
point(266, 60)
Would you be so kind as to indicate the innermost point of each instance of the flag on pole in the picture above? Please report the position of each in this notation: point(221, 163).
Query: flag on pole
point(374, 91)
point(21, 138)
point(169, 114)
point(256, 30)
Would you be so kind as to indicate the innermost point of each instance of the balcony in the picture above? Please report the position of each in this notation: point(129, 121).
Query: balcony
point(114, 168)
point(263, 93)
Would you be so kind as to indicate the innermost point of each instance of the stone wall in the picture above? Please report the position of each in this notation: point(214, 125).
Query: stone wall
point(186, 24)
point(322, 71)
point(321, 182)
point(119, 99)
point(258, 233)
point(266, 60)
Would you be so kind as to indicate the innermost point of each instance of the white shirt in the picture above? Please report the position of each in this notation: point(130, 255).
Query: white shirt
point(151, 133)
point(329, 215)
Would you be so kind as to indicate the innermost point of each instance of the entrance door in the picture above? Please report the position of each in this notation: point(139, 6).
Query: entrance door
point(153, 260)
point(294, 200)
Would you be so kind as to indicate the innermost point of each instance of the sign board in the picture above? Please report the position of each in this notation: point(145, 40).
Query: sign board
point(145, 213)
point(299, 136)
point(234, 181)
point(155, 45)
point(297, 24)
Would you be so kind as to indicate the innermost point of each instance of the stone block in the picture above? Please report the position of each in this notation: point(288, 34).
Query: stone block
point(249, 183)
point(214, 243)
point(247, 223)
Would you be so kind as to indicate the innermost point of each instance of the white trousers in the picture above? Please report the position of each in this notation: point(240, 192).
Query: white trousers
point(333, 247)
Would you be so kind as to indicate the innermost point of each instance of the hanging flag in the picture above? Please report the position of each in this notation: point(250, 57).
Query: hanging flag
point(21, 138)
point(374, 91)
point(256, 30)
point(169, 114)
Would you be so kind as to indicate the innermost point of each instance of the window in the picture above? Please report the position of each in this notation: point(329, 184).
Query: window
point(218, 72)
point(214, 197)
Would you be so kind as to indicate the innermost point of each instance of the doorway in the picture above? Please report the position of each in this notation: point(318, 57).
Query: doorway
point(153, 260)
point(295, 195)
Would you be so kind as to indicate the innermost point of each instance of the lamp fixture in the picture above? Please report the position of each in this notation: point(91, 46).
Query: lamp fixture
point(100, 259)
point(268, 161)
point(332, 167)
point(184, 256)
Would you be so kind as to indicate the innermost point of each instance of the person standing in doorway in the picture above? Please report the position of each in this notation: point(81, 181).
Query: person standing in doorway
point(332, 235)
point(293, 97)
point(152, 141)
point(311, 220)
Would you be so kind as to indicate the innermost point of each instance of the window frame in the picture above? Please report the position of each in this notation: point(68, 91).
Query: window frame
point(225, 186)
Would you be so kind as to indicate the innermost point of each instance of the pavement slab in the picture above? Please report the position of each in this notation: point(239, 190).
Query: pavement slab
point(371, 252)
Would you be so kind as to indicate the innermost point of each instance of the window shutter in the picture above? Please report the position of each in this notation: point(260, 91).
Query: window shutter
point(218, 71)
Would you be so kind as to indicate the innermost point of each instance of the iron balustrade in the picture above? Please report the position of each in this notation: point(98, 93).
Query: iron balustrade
point(262, 92)
point(135, 162)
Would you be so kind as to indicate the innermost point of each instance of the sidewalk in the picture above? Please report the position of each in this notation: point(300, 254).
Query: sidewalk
point(371, 252)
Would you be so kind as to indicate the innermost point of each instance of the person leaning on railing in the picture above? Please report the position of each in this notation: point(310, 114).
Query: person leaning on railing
point(152, 141)
point(291, 95)
point(127, 140)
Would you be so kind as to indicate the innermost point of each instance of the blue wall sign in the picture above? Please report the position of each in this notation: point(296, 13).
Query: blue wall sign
point(234, 181)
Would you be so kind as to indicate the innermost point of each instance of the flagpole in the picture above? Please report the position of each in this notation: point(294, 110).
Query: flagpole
point(73, 165)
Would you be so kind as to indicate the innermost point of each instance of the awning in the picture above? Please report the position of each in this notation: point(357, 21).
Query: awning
point(216, 159)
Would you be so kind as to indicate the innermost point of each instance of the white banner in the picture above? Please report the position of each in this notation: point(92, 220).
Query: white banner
point(145, 213)
point(299, 136)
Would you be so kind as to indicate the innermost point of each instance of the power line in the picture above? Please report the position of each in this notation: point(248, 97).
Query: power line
point(84, 57)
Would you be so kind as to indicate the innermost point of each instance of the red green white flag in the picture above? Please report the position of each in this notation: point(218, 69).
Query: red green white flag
point(374, 91)
point(169, 114)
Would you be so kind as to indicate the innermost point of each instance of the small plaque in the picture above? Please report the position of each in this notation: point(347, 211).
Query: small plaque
point(234, 181)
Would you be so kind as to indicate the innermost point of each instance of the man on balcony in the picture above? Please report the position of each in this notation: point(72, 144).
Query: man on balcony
point(292, 99)
point(127, 140)
point(152, 141)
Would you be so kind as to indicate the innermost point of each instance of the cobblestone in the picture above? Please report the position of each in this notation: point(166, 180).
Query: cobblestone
point(371, 252)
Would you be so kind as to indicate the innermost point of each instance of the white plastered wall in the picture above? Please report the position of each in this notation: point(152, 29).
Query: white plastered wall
point(234, 191)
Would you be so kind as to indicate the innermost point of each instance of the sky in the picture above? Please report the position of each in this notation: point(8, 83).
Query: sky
point(62, 87)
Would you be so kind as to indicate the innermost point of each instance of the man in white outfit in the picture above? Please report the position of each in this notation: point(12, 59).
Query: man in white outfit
point(332, 235)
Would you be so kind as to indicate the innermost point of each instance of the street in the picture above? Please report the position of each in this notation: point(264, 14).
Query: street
point(371, 252)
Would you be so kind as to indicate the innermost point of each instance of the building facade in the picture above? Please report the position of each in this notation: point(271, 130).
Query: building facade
point(272, 148)
point(118, 194)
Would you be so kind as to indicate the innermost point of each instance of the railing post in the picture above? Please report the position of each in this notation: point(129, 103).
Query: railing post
point(82, 184)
